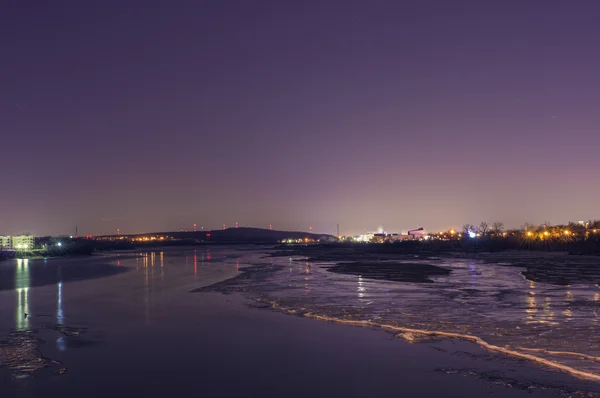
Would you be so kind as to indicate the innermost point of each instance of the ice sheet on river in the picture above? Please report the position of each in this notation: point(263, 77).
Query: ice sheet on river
point(487, 300)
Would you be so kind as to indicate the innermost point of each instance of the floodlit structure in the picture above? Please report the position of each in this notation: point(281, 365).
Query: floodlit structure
point(23, 242)
point(384, 237)
point(19, 242)
point(365, 238)
point(5, 242)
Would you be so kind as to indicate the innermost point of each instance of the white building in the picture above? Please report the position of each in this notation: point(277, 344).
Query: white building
point(23, 242)
point(5, 242)
point(19, 242)
point(364, 238)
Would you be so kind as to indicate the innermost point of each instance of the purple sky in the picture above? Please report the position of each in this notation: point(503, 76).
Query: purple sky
point(154, 115)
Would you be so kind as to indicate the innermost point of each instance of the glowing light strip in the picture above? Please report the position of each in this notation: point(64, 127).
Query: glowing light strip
point(474, 339)
point(565, 353)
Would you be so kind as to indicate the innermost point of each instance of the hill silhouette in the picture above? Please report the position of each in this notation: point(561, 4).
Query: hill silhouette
point(243, 235)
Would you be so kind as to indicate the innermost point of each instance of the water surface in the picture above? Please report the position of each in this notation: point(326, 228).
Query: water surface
point(477, 297)
point(61, 312)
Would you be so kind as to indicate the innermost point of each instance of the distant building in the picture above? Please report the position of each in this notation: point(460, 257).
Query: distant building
point(418, 233)
point(5, 242)
point(384, 237)
point(364, 238)
point(415, 234)
point(26, 242)
point(400, 238)
point(19, 242)
point(328, 239)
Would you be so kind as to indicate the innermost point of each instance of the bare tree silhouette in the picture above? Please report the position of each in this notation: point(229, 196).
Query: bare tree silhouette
point(484, 228)
point(497, 227)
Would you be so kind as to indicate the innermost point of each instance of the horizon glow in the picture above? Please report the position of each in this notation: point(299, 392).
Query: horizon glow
point(399, 114)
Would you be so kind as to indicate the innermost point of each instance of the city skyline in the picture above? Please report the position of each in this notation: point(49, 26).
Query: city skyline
point(137, 116)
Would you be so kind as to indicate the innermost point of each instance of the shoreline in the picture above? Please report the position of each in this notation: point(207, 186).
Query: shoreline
point(534, 373)
point(409, 333)
point(271, 354)
point(255, 273)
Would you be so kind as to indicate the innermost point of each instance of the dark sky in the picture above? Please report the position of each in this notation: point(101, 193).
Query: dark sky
point(154, 115)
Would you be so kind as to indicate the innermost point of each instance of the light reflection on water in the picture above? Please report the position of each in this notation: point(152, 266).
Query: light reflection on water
point(486, 300)
point(490, 301)
point(56, 297)
point(61, 344)
point(151, 273)
point(59, 308)
point(22, 282)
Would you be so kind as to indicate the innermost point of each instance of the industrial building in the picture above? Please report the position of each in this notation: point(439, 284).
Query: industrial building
point(383, 237)
point(418, 233)
point(364, 238)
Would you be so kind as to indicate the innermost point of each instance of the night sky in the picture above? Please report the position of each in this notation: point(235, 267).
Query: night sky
point(154, 115)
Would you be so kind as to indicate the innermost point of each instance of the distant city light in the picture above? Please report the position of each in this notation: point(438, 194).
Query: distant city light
point(472, 234)
point(59, 244)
